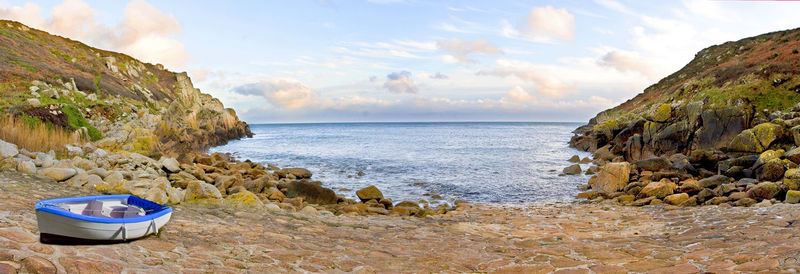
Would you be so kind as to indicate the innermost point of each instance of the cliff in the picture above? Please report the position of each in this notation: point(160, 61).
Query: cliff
point(126, 104)
point(725, 129)
point(725, 89)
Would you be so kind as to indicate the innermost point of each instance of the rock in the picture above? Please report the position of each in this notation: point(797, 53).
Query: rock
point(245, 198)
point(764, 203)
point(612, 177)
point(745, 141)
point(572, 170)
point(793, 155)
point(309, 210)
point(653, 164)
point(589, 195)
point(604, 153)
point(8, 150)
point(171, 165)
point(299, 173)
point(27, 167)
point(767, 133)
point(792, 197)
point(676, 199)
point(586, 160)
point(92, 181)
point(272, 208)
point(763, 191)
point(57, 174)
point(771, 171)
point(36, 264)
point(224, 182)
point(181, 179)
point(592, 170)
point(175, 195)
point(717, 201)
point(408, 204)
point(689, 186)
point(313, 193)
point(795, 131)
point(157, 195)
point(768, 156)
point(369, 193)
point(659, 189)
point(574, 159)
point(196, 190)
point(704, 195)
point(662, 113)
point(713, 181)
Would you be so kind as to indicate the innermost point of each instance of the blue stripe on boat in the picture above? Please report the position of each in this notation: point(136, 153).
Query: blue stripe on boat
point(153, 210)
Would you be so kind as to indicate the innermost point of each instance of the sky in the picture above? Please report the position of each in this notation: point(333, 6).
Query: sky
point(411, 60)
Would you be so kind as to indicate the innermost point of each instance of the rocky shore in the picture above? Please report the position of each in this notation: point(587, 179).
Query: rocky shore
point(562, 238)
point(723, 130)
point(213, 179)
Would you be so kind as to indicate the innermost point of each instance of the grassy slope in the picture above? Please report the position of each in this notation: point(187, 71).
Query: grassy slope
point(763, 70)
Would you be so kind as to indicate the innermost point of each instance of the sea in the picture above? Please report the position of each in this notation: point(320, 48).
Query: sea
point(490, 162)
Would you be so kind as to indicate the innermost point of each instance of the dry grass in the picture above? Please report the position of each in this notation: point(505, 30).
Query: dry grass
point(36, 136)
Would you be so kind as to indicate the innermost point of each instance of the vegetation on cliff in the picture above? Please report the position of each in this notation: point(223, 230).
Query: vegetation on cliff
point(722, 130)
point(100, 94)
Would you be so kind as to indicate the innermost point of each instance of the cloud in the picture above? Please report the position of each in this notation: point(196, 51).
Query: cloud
point(625, 61)
point(145, 32)
point(282, 93)
point(546, 24)
point(438, 75)
point(400, 82)
point(517, 95)
point(461, 49)
point(547, 83)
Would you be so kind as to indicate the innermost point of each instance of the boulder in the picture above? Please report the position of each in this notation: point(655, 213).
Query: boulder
point(713, 181)
point(8, 150)
point(572, 170)
point(369, 193)
point(27, 167)
point(770, 171)
point(574, 159)
point(689, 186)
point(196, 190)
point(763, 191)
point(767, 133)
point(181, 179)
point(313, 193)
point(795, 131)
point(57, 174)
point(793, 155)
point(676, 199)
point(745, 141)
point(309, 210)
point(768, 156)
point(224, 182)
point(792, 197)
point(604, 153)
point(659, 189)
point(245, 198)
point(171, 165)
point(720, 125)
point(299, 173)
point(612, 177)
point(157, 195)
point(653, 164)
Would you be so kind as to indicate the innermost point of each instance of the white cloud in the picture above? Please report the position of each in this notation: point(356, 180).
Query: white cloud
point(144, 32)
point(283, 93)
point(547, 83)
point(461, 49)
point(629, 61)
point(400, 82)
point(517, 95)
point(547, 24)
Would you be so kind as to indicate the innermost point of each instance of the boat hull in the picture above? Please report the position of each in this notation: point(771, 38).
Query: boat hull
point(84, 219)
point(53, 227)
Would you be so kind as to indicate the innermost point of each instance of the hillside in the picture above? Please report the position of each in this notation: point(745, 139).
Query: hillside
point(118, 101)
point(752, 80)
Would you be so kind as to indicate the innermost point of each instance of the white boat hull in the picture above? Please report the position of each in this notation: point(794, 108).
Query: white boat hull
point(51, 225)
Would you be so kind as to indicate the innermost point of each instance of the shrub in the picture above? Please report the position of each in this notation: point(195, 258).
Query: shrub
point(75, 120)
point(34, 135)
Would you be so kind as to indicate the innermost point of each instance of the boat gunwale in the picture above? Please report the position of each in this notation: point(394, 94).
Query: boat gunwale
point(49, 207)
